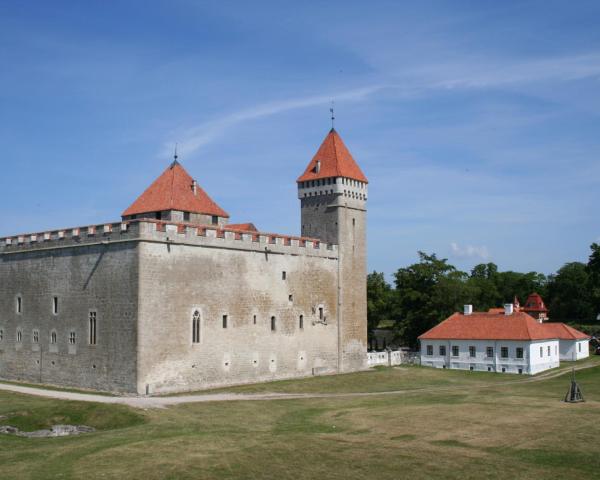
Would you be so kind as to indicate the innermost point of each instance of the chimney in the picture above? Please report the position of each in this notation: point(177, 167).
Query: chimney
point(468, 309)
point(194, 186)
point(318, 167)
point(508, 309)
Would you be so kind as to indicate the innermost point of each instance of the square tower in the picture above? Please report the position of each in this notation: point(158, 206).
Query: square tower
point(333, 195)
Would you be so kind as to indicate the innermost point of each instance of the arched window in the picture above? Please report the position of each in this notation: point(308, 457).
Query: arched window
point(53, 337)
point(19, 336)
point(196, 327)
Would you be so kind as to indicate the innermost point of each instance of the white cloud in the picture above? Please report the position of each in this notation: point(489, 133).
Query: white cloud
point(198, 136)
point(470, 251)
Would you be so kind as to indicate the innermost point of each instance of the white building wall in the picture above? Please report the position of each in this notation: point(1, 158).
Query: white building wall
point(496, 362)
point(544, 355)
point(571, 350)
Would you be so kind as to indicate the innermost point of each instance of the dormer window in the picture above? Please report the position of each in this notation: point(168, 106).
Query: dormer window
point(215, 220)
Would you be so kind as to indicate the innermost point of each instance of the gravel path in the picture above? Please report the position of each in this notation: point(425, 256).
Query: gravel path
point(163, 402)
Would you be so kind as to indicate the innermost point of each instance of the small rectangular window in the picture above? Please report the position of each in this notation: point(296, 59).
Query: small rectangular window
point(158, 215)
point(504, 352)
point(429, 349)
point(320, 313)
point(301, 322)
point(489, 352)
point(290, 298)
point(579, 347)
point(53, 337)
point(541, 352)
point(186, 216)
point(549, 350)
point(455, 350)
point(519, 352)
point(55, 305)
point(443, 350)
point(92, 330)
point(196, 327)
point(215, 220)
point(472, 351)
point(19, 305)
point(72, 338)
point(19, 336)
point(273, 323)
point(224, 321)
point(36, 336)
point(283, 275)
point(1, 335)
point(254, 319)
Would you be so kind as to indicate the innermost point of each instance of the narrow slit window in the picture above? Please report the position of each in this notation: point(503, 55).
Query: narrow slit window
point(196, 327)
point(19, 336)
point(1, 335)
point(55, 305)
point(224, 321)
point(301, 322)
point(273, 323)
point(92, 319)
point(19, 305)
point(320, 313)
point(290, 297)
point(72, 338)
point(36, 336)
point(53, 337)
point(283, 275)
point(254, 319)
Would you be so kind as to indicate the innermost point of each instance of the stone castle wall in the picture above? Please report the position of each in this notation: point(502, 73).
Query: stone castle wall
point(87, 271)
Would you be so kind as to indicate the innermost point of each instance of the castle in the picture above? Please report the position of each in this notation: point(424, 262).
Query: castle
point(175, 298)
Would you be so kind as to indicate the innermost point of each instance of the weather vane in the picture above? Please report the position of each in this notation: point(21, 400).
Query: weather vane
point(175, 156)
point(332, 116)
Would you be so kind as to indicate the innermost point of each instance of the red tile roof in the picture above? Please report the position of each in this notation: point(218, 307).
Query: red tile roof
point(564, 332)
point(336, 161)
point(246, 227)
point(534, 303)
point(173, 191)
point(489, 326)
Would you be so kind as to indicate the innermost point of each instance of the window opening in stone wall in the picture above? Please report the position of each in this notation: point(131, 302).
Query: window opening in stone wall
point(320, 313)
point(196, 327)
point(186, 216)
point(19, 336)
point(55, 305)
point(1, 335)
point(36, 336)
point(19, 305)
point(215, 220)
point(224, 321)
point(283, 275)
point(158, 215)
point(290, 297)
point(273, 323)
point(92, 338)
point(541, 352)
point(72, 338)
point(53, 337)
point(254, 319)
point(301, 321)
point(472, 351)
point(504, 352)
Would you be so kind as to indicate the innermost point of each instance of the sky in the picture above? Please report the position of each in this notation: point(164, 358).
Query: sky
point(476, 122)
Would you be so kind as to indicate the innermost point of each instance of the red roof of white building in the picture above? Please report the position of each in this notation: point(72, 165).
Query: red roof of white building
point(175, 190)
point(498, 326)
point(335, 161)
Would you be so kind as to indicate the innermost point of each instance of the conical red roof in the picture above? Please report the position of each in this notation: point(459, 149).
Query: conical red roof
point(534, 303)
point(336, 161)
point(173, 190)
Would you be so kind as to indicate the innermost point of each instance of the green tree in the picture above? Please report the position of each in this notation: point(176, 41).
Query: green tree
point(426, 293)
point(593, 270)
point(567, 297)
point(378, 301)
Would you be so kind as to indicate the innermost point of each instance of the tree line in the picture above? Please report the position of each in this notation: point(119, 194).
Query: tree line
point(427, 292)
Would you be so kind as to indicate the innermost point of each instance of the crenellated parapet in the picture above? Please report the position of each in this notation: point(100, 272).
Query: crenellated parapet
point(215, 236)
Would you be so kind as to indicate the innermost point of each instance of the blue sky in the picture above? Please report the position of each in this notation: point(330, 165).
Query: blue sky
point(477, 122)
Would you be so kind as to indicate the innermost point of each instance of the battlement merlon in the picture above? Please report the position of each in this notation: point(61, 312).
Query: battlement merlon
point(172, 233)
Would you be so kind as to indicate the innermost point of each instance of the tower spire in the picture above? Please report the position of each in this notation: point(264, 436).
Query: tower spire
point(175, 157)
point(332, 116)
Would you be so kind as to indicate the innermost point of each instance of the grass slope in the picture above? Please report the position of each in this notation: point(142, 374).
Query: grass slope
point(478, 427)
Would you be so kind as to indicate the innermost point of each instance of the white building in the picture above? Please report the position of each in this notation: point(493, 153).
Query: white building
point(573, 344)
point(509, 342)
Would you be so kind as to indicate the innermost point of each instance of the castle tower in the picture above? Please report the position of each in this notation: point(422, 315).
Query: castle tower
point(333, 195)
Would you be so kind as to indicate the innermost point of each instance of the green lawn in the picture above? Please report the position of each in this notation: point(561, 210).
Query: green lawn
point(478, 426)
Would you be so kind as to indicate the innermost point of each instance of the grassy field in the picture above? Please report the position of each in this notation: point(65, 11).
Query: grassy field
point(478, 426)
